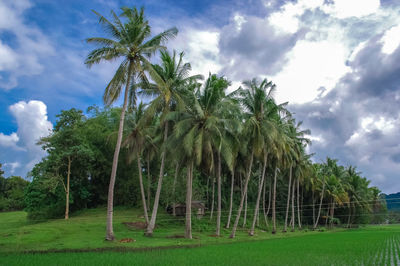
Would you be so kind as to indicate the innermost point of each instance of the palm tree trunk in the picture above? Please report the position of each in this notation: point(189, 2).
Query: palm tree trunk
point(332, 212)
point(274, 203)
point(217, 232)
point(320, 205)
point(148, 183)
point(263, 206)
point(251, 233)
point(212, 198)
point(231, 199)
point(146, 216)
point(234, 228)
point(152, 224)
point(313, 206)
point(298, 202)
point(67, 190)
point(173, 189)
point(348, 219)
point(189, 181)
point(269, 200)
point(245, 212)
point(288, 199)
point(110, 201)
point(293, 216)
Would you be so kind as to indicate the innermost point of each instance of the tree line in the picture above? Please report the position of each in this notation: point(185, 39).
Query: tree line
point(190, 137)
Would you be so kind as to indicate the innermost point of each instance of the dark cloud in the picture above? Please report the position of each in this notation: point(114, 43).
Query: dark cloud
point(360, 118)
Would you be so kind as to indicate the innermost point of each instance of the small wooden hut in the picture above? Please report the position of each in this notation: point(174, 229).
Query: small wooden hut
point(198, 207)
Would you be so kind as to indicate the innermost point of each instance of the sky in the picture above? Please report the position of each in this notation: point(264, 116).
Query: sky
point(337, 63)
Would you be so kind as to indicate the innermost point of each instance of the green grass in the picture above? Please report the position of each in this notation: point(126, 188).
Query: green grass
point(372, 245)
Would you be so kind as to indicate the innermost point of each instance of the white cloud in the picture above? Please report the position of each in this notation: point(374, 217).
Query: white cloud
point(23, 57)
point(391, 40)
point(311, 65)
point(12, 166)
point(352, 8)
point(9, 140)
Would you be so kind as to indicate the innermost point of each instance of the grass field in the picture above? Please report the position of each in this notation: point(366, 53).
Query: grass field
point(372, 245)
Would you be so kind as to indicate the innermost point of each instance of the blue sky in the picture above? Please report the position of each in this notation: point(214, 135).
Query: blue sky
point(337, 62)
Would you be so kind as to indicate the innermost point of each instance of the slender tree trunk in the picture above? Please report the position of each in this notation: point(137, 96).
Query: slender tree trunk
point(263, 206)
point(208, 183)
point(148, 183)
point(110, 201)
point(332, 212)
point(298, 202)
point(218, 230)
point(146, 216)
point(288, 199)
point(274, 203)
point(293, 215)
point(173, 189)
point(348, 219)
point(212, 198)
point(152, 224)
point(327, 214)
point(189, 183)
point(313, 207)
point(251, 233)
point(67, 190)
point(320, 205)
point(245, 211)
point(231, 199)
point(269, 199)
point(234, 228)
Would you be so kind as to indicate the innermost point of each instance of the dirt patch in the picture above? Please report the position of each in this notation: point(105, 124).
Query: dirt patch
point(127, 240)
point(135, 225)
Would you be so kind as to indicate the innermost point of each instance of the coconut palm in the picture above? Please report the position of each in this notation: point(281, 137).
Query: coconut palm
point(129, 40)
point(171, 79)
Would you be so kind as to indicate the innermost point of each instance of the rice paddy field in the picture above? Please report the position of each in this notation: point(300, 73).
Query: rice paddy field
point(80, 242)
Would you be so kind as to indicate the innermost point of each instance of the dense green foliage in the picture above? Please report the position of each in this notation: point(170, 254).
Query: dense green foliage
point(12, 191)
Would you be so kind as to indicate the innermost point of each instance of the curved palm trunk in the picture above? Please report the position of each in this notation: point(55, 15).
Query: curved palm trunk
point(189, 184)
point(234, 228)
point(173, 189)
point(148, 183)
point(67, 190)
point(110, 201)
point(217, 232)
point(298, 203)
point(231, 199)
point(146, 216)
point(293, 216)
point(288, 199)
point(212, 199)
point(269, 202)
point(152, 224)
point(320, 205)
point(263, 206)
point(251, 233)
point(274, 203)
point(245, 211)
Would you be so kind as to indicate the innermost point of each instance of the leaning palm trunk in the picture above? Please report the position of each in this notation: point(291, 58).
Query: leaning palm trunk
point(173, 189)
point(146, 216)
point(288, 199)
point(67, 190)
point(234, 228)
point(313, 207)
point(189, 183)
point(148, 183)
point(217, 232)
point(152, 224)
point(251, 233)
point(320, 205)
point(245, 211)
point(110, 201)
point(263, 206)
point(231, 199)
point(274, 203)
point(269, 202)
point(212, 199)
point(298, 203)
point(292, 218)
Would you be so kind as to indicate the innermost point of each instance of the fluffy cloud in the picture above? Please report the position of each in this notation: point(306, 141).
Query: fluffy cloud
point(33, 124)
point(28, 44)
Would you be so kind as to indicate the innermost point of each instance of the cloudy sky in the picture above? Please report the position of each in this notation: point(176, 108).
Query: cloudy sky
point(337, 62)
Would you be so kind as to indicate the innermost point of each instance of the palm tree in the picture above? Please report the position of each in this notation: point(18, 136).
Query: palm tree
point(130, 41)
point(171, 80)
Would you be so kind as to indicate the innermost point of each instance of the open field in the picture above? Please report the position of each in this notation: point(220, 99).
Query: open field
point(372, 245)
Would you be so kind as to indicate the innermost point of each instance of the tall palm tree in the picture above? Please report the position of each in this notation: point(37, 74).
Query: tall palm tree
point(129, 40)
point(171, 79)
